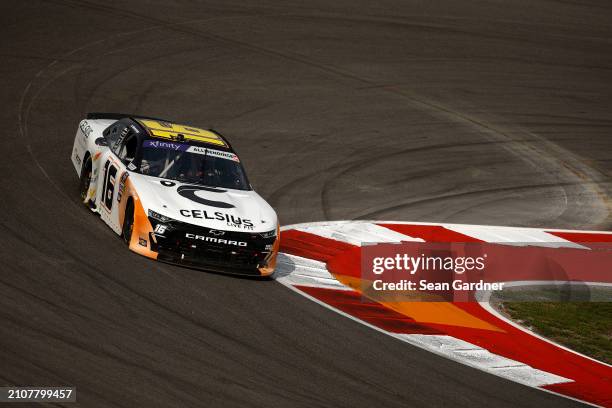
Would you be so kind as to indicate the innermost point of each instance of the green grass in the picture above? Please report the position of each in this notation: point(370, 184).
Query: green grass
point(585, 327)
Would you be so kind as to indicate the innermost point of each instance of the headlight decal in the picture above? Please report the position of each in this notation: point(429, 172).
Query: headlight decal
point(158, 217)
point(268, 234)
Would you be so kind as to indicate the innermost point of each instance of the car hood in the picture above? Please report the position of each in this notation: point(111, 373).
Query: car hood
point(218, 208)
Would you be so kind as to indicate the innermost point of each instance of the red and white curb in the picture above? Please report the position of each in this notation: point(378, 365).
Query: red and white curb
point(314, 255)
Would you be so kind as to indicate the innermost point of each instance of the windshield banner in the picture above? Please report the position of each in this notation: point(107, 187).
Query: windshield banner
point(220, 154)
point(182, 147)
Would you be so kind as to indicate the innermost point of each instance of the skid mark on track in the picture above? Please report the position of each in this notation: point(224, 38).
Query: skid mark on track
point(540, 153)
point(571, 173)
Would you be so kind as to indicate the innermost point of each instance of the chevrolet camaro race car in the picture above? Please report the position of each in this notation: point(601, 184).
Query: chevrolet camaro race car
point(175, 193)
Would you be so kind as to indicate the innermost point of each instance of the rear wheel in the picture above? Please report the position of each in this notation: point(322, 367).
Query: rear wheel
point(85, 180)
point(128, 222)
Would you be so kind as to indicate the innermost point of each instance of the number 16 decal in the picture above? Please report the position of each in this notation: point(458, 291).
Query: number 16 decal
point(110, 176)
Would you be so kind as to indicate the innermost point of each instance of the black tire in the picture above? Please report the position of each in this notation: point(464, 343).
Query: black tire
point(128, 223)
point(85, 180)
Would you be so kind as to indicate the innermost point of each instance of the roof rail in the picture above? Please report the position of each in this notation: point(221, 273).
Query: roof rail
point(117, 116)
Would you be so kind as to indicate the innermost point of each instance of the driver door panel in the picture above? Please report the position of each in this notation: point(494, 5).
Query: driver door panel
point(111, 170)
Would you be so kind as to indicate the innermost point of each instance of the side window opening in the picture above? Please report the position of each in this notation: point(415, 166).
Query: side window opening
point(112, 134)
point(127, 152)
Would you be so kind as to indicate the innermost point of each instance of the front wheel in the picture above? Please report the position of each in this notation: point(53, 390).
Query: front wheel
point(128, 223)
point(85, 181)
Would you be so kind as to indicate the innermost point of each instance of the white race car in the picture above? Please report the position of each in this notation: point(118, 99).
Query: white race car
point(175, 193)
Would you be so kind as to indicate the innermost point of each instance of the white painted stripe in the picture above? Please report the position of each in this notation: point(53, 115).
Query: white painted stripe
point(477, 357)
point(514, 236)
point(443, 343)
point(351, 232)
point(485, 359)
point(296, 270)
point(449, 226)
point(529, 376)
point(357, 234)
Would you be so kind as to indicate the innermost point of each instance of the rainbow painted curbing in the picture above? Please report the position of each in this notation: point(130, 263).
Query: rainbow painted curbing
point(322, 261)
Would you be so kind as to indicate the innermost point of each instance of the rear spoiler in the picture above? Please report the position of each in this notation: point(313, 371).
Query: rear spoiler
point(117, 116)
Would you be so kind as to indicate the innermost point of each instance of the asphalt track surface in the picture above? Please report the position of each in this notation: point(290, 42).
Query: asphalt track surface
point(488, 112)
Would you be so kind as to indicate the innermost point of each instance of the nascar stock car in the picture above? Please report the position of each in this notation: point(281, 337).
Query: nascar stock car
point(175, 193)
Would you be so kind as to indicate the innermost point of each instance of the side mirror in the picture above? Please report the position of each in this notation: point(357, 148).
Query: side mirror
point(101, 141)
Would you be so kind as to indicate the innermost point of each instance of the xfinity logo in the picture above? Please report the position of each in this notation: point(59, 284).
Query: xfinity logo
point(174, 146)
point(164, 145)
point(216, 240)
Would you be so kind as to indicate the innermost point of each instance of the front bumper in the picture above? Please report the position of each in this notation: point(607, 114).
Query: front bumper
point(243, 253)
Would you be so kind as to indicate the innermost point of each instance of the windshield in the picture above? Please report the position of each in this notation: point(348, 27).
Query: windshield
point(192, 164)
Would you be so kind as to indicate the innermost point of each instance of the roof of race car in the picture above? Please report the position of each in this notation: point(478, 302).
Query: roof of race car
point(173, 131)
